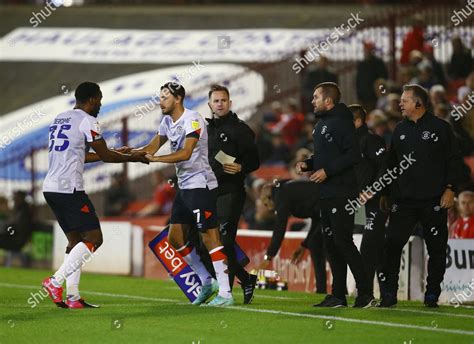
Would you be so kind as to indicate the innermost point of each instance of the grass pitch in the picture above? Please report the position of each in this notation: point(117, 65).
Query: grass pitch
point(135, 310)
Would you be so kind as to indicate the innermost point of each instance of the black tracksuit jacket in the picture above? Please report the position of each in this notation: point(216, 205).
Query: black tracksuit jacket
point(336, 150)
point(235, 138)
point(430, 141)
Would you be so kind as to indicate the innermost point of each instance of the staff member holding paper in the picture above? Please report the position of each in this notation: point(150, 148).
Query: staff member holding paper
point(232, 155)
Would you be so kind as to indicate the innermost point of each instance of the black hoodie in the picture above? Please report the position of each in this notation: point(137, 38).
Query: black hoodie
point(235, 138)
point(336, 151)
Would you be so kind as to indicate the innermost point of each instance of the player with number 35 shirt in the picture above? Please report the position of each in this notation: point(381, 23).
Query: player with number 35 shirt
point(71, 134)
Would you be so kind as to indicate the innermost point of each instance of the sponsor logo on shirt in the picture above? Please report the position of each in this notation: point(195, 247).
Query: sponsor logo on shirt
point(195, 125)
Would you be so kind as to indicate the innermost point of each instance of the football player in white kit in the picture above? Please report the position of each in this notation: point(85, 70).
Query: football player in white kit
point(71, 134)
point(195, 203)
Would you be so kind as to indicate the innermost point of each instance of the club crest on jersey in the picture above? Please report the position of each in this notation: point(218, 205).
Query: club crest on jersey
point(179, 130)
point(425, 135)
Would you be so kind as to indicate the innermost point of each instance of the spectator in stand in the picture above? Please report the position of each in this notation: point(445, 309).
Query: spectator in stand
point(461, 60)
point(393, 108)
point(463, 112)
point(404, 76)
point(306, 135)
point(162, 197)
point(438, 96)
point(290, 124)
point(415, 58)
point(414, 39)
point(438, 71)
point(424, 76)
point(368, 71)
point(263, 140)
point(280, 152)
point(377, 122)
point(118, 196)
point(273, 116)
point(17, 229)
point(463, 227)
point(317, 75)
point(468, 88)
point(441, 110)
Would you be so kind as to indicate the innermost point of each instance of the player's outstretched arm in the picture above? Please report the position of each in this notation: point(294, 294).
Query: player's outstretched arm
point(92, 157)
point(151, 148)
point(181, 155)
point(107, 155)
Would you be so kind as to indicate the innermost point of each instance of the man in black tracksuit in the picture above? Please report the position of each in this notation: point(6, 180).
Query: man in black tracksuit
point(232, 136)
point(373, 151)
point(336, 152)
point(426, 163)
point(298, 198)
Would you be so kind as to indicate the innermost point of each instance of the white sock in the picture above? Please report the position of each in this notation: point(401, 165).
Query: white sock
point(218, 260)
point(74, 261)
point(191, 257)
point(63, 266)
point(72, 285)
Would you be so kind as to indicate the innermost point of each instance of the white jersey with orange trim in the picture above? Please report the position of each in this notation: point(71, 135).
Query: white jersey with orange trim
point(69, 135)
point(196, 172)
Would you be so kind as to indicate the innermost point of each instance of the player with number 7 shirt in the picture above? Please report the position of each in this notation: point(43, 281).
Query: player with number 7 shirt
point(71, 134)
point(195, 203)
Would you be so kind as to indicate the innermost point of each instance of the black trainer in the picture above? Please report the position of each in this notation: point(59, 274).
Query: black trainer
point(249, 289)
point(431, 301)
point(365, 301)
point(388, 300)
point(330, 301)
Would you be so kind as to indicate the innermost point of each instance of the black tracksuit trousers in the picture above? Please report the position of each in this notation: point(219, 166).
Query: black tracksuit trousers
point(338, 224)
point(229, 209)
point(373, 237)
point(403, 218)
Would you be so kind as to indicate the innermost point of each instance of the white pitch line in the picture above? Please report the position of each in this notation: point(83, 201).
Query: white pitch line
point(360, 321)
point(22, 286)
point(426, 312)
point(276, 312)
